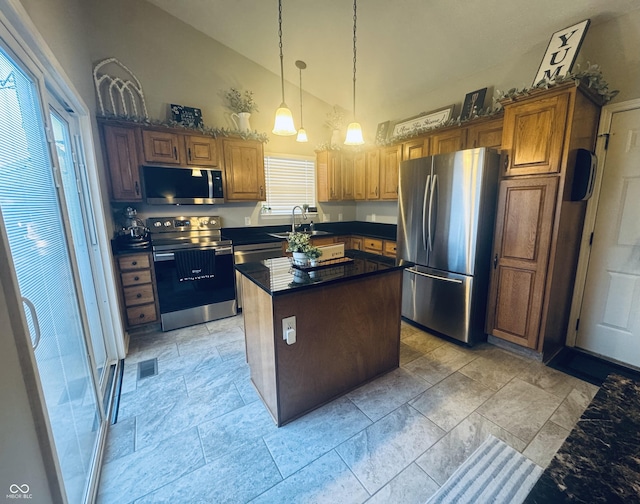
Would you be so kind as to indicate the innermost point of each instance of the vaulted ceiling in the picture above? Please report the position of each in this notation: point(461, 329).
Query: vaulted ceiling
point(403, 45)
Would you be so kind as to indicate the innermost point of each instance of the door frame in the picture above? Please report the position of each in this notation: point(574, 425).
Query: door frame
point(590, 218)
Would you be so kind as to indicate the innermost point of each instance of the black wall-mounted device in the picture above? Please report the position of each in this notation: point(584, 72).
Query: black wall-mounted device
point(584, 175)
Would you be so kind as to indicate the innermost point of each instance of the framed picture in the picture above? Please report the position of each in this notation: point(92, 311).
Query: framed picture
point(188, 116)
point(473, 102)
point(382, 131)
point(423, 121)
point(561, 52)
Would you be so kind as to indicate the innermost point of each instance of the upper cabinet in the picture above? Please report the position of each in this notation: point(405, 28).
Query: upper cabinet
point(360, 176)
point(328, 167)
point(348, 177)
point(122, 161)
point(485, 134)
point(390, 158)
point(129, 145)
point(533, 135)
point(166, 147)
point(372, 173)
point(202, 150)
point(415, 148)
point(450, 140)
point(244, 170)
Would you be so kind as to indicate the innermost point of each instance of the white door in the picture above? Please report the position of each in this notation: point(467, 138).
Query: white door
point(610, 314)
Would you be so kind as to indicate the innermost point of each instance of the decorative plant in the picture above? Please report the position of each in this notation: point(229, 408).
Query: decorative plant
point(241, 102)
point(299, 242)
point(335, 118)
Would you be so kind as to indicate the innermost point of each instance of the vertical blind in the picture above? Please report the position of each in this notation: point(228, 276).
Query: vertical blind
point(290, 182)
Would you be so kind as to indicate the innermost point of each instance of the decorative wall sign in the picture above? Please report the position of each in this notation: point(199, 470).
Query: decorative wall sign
point(186, 115)
point(473, 102)
point(382, 131)
point(422, 122)
point(123, 94)
point(561, 52)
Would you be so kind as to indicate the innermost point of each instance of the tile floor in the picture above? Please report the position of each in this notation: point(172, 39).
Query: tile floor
point(197, 431)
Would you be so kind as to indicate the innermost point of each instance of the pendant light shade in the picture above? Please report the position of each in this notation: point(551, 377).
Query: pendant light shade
point(302, 134)
point(283, 124)
point(354, 130)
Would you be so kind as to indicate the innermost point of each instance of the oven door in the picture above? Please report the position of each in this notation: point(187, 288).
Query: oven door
point(195, 301)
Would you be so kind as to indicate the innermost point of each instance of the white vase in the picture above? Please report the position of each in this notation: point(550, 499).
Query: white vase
point(335, 138)
point(242, 122)
point(300, 259)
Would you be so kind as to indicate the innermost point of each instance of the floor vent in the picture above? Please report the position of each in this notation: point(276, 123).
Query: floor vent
point(147, 368)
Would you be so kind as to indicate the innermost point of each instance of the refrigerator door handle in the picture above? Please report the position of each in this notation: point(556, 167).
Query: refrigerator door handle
point(424, 213)
point(435, 277)
point(434, 186)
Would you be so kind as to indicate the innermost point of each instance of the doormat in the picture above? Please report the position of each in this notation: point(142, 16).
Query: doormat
point(588, 367)
point(495, 473)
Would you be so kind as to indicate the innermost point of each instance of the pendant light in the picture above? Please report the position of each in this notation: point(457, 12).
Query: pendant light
point(354, 130)
point(283, 124)
point(302, 134)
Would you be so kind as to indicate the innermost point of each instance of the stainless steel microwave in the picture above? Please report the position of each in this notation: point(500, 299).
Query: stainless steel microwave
point(182, 186)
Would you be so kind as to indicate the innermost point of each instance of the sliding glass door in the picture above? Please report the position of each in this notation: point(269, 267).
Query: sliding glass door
point(42, 216)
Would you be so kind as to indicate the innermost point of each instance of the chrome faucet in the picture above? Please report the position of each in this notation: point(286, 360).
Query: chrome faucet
point(293, 217)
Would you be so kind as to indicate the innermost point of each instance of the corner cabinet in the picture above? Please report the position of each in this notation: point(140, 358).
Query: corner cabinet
point(122, 162)
point(538, 227)
point(243, 170)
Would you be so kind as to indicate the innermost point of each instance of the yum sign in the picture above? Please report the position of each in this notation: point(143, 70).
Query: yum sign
point(561, 52)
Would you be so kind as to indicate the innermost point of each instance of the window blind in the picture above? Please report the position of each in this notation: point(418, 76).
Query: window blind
point(290, 182)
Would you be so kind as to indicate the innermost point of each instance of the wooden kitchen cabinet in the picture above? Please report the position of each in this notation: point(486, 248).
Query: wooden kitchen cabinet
point(355, 243)
point(360, 176)
point(162, 147)
point(390, 158)
point(521, 254)
point(244, 170)
point(122, 162)
point(485, 134)
point(449, 140)
point(202, 150)
point(137, 288)
point(329, 177)
point(533, 135)
point(389, 248)
point(372, 169)
point(416, 148)
point(538, 228)
point(347, 174)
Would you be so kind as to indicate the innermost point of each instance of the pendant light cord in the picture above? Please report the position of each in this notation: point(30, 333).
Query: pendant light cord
point(355, 18)
point(301, 126)
point(280, 37)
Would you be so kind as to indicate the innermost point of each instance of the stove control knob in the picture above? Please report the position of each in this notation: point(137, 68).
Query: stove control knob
point(167, 223)
point(157, 224)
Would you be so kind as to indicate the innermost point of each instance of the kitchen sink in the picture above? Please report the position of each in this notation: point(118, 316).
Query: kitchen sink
point(310, 233)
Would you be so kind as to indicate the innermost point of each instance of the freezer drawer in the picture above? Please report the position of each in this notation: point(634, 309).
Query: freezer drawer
point(440, 301)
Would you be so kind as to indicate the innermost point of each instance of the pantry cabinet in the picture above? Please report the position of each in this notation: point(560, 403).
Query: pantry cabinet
point(538, 228)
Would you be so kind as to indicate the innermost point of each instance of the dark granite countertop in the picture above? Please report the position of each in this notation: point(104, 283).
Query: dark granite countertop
point(259, 234)
point(279, 276)
point(599, 461)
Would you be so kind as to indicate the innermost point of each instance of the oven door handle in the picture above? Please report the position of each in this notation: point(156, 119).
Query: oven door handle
point(169, 256)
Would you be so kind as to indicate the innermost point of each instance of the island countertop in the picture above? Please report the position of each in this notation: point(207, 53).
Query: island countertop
point(279, 276)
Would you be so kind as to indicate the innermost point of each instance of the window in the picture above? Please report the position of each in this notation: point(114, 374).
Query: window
point(291, 181)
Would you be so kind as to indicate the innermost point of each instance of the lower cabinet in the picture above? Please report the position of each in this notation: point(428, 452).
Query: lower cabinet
point(138, 293)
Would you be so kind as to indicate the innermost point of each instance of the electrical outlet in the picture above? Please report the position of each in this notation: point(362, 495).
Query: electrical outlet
point(340, 217)
point(247, 221)
point(289, 329)
point(373, 217)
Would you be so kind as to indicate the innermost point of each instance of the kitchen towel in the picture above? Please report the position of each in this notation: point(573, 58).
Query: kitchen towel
point(195, 264)
point(494, 473)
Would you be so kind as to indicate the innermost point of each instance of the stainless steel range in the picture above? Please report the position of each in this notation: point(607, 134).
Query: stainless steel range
point(194, 270)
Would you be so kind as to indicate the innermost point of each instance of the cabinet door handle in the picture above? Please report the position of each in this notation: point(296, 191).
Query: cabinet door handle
point(261, 190)
point(495, 261)
point(189, 152)
point(175, 153)
point(134, 263)
point(142, 315)
point(137, 188)
point(376, 190)
point(506, 162)
point(138, 295)
point(136, 278)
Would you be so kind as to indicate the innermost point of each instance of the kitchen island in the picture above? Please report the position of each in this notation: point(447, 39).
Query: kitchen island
point(346, 329)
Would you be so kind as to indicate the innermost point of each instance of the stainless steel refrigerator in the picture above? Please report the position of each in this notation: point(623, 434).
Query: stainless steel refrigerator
point(446, 212)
